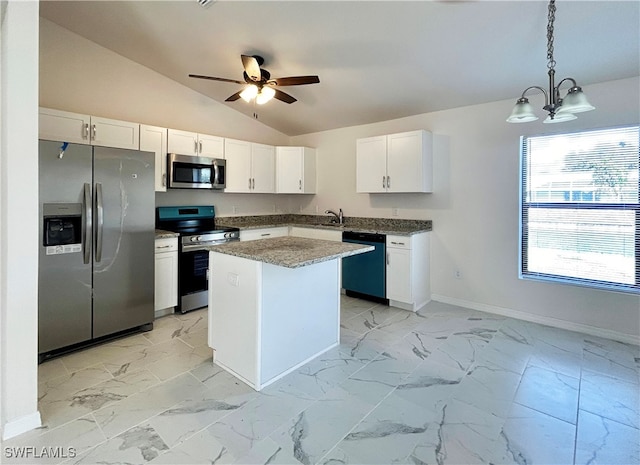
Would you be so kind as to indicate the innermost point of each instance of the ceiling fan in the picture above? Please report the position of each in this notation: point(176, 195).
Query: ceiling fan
point(260, 85)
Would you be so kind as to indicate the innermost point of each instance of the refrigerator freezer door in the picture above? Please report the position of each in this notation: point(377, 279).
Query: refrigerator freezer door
point(123, 277)
point(64, 280)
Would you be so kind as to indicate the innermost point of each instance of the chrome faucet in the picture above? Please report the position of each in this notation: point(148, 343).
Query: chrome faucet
point(338, 216)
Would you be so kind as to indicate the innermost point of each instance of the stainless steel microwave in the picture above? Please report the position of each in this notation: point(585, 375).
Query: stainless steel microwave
point(189, 172)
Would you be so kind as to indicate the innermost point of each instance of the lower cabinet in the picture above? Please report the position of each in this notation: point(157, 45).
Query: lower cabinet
point(312, 233)
point(408, 279)
point(166, 275)
point(263, 233)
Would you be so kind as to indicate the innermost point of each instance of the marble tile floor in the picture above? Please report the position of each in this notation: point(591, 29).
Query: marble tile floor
point(447, 385)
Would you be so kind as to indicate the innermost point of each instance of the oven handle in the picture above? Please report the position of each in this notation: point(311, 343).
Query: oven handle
point(204, 246)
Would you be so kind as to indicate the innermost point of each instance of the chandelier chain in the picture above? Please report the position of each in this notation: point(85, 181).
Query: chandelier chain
point(551, 64)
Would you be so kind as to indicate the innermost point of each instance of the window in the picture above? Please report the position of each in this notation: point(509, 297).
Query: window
point(580, 208)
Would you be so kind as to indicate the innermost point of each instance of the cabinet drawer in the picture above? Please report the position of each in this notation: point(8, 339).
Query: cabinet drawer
point(399, 242)
point(169, 244)
point(264, 233)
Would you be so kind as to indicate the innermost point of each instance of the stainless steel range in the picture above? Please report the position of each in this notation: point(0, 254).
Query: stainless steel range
point(198, 230)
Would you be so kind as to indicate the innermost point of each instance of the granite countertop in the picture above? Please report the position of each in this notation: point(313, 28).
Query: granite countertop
point(291, 252)
point(392, 226)
point(162, 234)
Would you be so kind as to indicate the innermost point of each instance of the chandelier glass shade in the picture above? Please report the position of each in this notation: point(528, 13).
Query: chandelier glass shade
point(559, 109)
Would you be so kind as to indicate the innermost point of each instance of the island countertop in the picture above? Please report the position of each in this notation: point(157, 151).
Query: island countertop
point(291, 252)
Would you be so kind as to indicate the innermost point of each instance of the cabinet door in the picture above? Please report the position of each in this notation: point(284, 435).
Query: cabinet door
point(263, 168)
point(238, 156)
point(399, 274)
point(63, 126)
point(114, 133)
point(210, 146)
point(371, 164)
point(154, 139)
point(407, 162)
point(289, 170)
point(182, 142)
point(166, 280)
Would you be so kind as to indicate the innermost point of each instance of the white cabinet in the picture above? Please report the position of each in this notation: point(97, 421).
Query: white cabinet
point(295, 170)
point(395, 163)
point(191, 143)
point(263, 233)
point(77, 128)
point(408, 279)
point(316, 233)
point(250, 167)
point(154, 139)
point(166, 273)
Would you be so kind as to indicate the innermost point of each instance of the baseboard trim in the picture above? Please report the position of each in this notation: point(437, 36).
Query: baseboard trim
point(21, 425)
point(544, 320)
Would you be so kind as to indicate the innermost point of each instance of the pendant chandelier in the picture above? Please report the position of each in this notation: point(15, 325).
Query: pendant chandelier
point(559, 109)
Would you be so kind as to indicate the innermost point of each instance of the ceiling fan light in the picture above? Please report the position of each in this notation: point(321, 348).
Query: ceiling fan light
point(560, 118)
point(575, 102)
point(522, 112)
point(266, 94)
point(249, 92)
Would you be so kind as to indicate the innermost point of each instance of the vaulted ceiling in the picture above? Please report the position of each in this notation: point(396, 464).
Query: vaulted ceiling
point(376, 60)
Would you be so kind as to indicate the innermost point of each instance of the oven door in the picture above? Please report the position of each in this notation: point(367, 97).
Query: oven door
point(192, 282)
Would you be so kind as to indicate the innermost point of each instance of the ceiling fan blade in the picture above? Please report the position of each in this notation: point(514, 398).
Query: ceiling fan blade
point(234, 97)
point(283, 97)
point(211, 78)
point(251, 67)
point(295, 80)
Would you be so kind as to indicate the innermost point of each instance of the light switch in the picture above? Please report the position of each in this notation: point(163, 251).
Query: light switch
point(233, 279)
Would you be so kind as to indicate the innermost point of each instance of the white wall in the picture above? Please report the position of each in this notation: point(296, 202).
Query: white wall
point(474, 207)
point(18, 217)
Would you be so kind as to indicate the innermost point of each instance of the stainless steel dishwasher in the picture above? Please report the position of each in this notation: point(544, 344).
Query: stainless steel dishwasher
point(364, 275)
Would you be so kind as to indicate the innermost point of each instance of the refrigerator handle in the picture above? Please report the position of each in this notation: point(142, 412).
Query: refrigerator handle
point(100, 221)
point(87, 224)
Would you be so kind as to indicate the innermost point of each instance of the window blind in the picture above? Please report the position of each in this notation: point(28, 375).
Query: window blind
point(580, 208)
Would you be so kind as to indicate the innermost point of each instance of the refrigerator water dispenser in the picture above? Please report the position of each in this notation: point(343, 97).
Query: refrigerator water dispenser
point(62, 227)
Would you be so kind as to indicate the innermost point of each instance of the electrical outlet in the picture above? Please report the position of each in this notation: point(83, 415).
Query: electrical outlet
point(457, 274)
point(317, 209)
point(275, 208)
point(236, 209)
point(394, 211)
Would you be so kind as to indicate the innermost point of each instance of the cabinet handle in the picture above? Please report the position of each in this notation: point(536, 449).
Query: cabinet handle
point(265, 234)
point(300, 184)
point(163, 247)
point(93, 132)
point(253, 183)
point(383, 186)
point(249, 183)
point(195, 146)
point(397, 243)
point(164, 179)
point(388, 182)
point(387, 258)
point(200, 147)
point(85, 131)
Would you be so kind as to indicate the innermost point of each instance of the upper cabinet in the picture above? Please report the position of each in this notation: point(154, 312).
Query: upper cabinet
point(395, 163)
point(191, 143)
point(295, 170)
point(250, 167)
point(76, 128)
point(154, 139)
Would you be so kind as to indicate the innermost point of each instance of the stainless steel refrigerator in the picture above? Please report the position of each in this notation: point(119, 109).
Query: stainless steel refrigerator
point(96, 260)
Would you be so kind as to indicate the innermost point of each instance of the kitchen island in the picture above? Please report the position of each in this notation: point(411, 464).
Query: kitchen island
point(274, 304)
